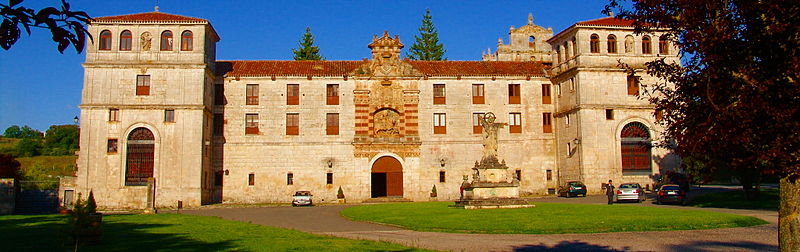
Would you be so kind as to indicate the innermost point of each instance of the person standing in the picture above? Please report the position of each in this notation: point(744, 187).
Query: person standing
point(610, 192)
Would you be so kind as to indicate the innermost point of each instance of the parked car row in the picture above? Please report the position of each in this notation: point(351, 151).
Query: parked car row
point(634, 192)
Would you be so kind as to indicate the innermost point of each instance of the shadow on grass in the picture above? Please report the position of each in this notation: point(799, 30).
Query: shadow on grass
point(567, 246)
point(723, 246)
point(51, 233)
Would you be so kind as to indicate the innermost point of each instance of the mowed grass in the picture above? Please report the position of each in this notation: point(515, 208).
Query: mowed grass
point(770, 199)
point(172, 232)
point(545, 218)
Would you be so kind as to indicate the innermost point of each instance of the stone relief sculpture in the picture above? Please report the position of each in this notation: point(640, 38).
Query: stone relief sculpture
point(628, 44)
point(146, 41)
point(387, 123)
point(490, 135)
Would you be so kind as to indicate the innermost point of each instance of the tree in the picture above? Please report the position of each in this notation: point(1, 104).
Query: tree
point(61, 140)
point(13, 132)
point(307, 50)
point(735, 98)
point(29, 147)
point(66, 26)
point(24, 132)
point(9, 167)
point(426, 46)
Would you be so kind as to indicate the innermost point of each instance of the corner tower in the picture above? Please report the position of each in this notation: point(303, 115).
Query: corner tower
point(527, 43)
point(145, 109)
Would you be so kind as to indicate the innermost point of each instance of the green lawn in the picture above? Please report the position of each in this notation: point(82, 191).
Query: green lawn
point(770, 199)
point(172, 232)
point(545, 218)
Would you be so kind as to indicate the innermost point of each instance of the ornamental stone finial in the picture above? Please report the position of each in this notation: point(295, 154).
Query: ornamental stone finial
point(530, 18)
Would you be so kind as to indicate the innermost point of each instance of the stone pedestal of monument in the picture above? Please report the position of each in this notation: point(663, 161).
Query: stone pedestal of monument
point(491, 187)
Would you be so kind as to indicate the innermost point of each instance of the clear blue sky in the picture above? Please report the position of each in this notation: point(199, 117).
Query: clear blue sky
point(40, 87)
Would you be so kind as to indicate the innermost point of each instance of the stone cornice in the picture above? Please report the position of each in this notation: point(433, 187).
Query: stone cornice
point(603, 106)
point(140, 106)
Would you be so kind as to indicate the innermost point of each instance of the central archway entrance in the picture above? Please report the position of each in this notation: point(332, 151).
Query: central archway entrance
point(387, 178)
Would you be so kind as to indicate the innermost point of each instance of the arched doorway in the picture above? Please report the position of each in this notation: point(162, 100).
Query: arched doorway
point(140, 157)
point(635, 140)
point(387, 178)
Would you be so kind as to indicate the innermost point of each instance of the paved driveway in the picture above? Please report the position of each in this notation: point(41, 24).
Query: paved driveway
point(327, 221)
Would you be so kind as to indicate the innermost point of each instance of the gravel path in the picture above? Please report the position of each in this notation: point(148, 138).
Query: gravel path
point(326, 220)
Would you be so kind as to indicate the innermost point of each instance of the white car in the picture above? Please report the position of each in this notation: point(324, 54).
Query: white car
point(630, 192)
point(302, 198)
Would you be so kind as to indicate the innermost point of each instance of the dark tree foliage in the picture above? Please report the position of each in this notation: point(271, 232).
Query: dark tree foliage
point(61, 140)
point(426, 45)
point(13, 132)
point(29, 147)
point(307, 50)
point(22, 132)
point(9, 167)
point(735, 100)
point(66, 26)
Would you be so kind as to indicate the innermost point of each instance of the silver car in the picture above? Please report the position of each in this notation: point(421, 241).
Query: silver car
point(630, 192)
point(302, 198)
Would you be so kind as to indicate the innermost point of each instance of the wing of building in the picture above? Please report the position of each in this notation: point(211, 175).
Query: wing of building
point(164, 121)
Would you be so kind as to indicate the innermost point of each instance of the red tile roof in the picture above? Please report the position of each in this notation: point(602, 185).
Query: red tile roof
point(607, 21)
point(150, 17)
point(252, 68)
point(479, 68)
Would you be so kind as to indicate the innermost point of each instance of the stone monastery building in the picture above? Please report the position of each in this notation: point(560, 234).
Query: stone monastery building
point(163, 120)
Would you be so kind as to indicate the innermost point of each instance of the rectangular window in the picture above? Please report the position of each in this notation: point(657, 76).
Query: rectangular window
point(659, 115)
point(438, 94)
point(218, 124)
point(515, 122)
point(332, 94)
point(476, 123)
point(549, 175)
point(477, 94)
point(609, 114)
point(441, 176)
point(290, 179)
point(547, 122)
point(112, 145)
point(513, 94)
point(251, 124)
point(292, 94)
point(518, 174)
point(329, 178)
point(571, 84)
point(142, 84)
point(439, 123)
point(292, 124)
point(113, 115)
point(558, 89)
point(546, 94)
point(633, 85)
point(169, 115)
point(566, 119)
point(251, 179)
point(251, 94)
point(219, 94)
point(332, 124)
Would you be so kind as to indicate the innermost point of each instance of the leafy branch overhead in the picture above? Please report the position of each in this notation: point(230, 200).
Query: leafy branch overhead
point(426, 45)
point(66, 26)
point(307, 50)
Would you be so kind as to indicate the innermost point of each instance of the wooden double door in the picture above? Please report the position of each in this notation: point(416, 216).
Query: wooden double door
point(387, 178)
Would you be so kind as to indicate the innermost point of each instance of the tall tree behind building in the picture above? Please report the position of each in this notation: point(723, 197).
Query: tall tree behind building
point(307, 50)
point(735, 100)
point(426, 45)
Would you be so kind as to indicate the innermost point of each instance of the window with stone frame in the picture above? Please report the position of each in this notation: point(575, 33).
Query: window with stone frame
point(663, 45)
point(332, 124)
point(169, 115)
point(476, 123)
point(609, 114)
point(251, 124)
point(142, 84)
point(219, 125)
point(442, 176)
point(612, 43)
point(113, 115)
point(546, 99)
point(293, 94)
point(636, 148)
point(292, 124)
point(439, 94)
point(547, 122)
point(633, 85)
point(514, 122)
point(646, 45)
point(439, 123)
point(332, 94)
point(219, 94)
point(329, 178)
point(514, 94)
point(251, 94)
point(125, 40)
point(112, 146)
point(478, 96)
point(251, 179)
point(105, 40)
point(518, 174)
point(594, 43)
point(187, 41)
point(290, 178)
point(166, 41)
point(549, 175)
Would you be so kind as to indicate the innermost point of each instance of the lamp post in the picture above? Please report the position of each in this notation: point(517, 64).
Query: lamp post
point(75, 120)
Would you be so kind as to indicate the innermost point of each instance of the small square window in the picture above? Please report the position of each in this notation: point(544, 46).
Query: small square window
point(169, 115)
point(442, 176)
point(549, 175)
point(251, 179)
point(518, 175)
point(290, 179)
point(329, 178)
point(609, 114)
point(112, 145)
point(113, 115)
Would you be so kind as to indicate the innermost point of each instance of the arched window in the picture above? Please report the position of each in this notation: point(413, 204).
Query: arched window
point(125, 40)
point(140, 157)
point(612, 43)
point(663, 46)
point(646, 49)
point(594, 43)
point(532, 42)
point(186, 41)
point(635, 148)
point(105, 40)
point(574, 47)
point(166, 41)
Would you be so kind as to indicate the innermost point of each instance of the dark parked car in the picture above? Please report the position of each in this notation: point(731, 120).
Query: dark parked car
point(671, 193)
point(571, 189)
point(302, 198)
